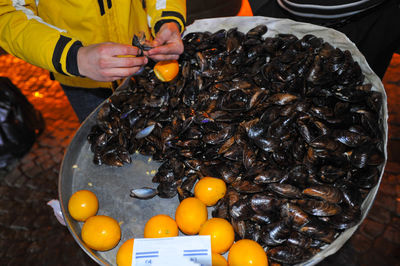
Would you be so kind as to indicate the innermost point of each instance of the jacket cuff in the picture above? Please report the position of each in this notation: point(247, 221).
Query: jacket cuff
point(169, 16)
point(65, 56)
point(162, 22)
point(72, 58)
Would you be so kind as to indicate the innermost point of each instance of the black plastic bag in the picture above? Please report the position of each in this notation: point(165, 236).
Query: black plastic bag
point(20, 123)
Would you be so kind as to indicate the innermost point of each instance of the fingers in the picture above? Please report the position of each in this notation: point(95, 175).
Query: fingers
point(109, 61)
point(122, 62)
point(114, 49)
point(167, 49)
point(112, 74)
point(168, 43)
point(164, 57)
point(170, 51)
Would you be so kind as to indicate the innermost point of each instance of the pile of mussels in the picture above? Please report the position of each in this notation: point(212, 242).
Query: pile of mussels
point(287, 123)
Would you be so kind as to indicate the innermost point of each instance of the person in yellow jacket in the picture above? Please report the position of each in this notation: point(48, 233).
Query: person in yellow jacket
point(86, 45)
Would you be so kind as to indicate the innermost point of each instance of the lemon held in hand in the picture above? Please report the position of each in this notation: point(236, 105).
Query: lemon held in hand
point(82, 205)
point(247, 252)
point(160, 225)
point(190, 214)
point(166, 70)
point(101, 232)
point(209, 190)
point(221, 233)
point(124, 254)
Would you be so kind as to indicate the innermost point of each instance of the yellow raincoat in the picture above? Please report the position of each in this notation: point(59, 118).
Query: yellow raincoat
point(48, 33)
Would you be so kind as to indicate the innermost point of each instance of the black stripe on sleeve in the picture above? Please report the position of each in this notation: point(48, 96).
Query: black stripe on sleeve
point(72, 58)
point(173, 14)
point(169, 14)
point(58, 50)
point(101, 5)
point(162, 22)
point(109, 4)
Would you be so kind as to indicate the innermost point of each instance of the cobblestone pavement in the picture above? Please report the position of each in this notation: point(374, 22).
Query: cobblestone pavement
point(31, 235)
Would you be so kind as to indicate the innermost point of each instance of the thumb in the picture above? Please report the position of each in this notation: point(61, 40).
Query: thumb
point(161, 38)
point(158, 41)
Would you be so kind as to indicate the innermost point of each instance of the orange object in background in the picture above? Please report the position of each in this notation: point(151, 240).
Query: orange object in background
point(245, 10)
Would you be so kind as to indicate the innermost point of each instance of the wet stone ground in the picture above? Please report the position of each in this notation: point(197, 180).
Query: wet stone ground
point(31, 235)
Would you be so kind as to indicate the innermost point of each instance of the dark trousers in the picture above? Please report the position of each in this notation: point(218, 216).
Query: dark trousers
point(84, 101)
point(375, 32)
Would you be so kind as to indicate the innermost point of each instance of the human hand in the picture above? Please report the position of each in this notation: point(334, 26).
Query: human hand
point(109, 61)
point(167, 44)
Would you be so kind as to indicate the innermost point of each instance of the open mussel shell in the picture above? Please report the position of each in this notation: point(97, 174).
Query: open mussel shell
point(143, 193)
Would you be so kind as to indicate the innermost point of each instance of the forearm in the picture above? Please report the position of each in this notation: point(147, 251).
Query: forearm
point(28, 37)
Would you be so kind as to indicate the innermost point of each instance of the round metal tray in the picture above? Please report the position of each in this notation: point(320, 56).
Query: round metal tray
point(112, 184)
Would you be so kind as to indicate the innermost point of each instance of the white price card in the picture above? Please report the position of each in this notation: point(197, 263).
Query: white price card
point(172, 251)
